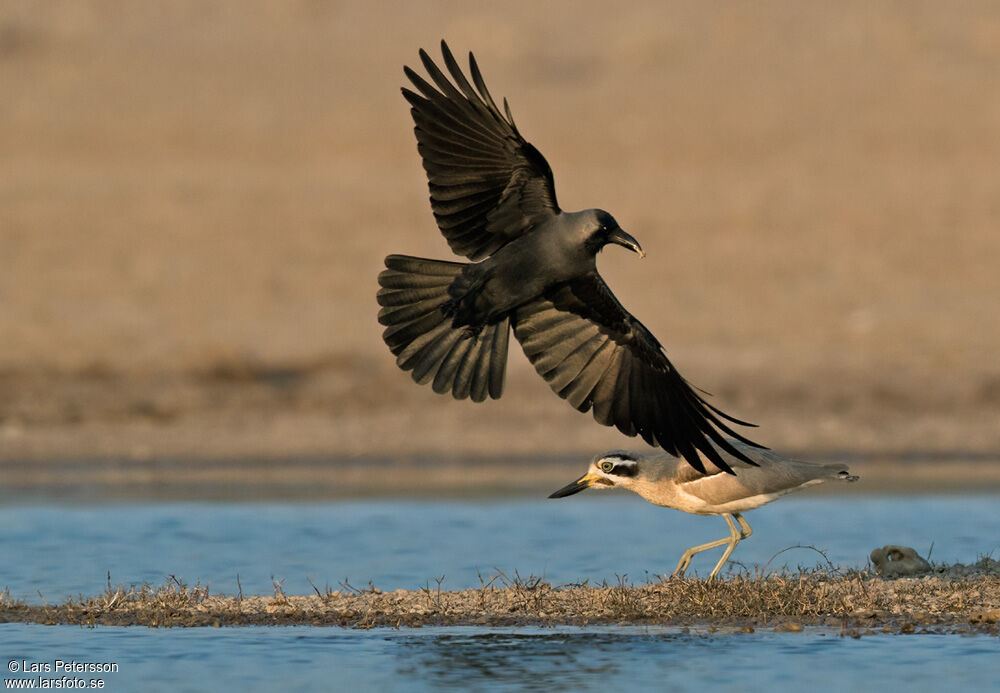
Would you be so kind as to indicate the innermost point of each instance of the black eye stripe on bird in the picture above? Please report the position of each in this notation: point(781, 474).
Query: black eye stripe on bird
point(629, 470)
point(618, 466)
point(533, 270)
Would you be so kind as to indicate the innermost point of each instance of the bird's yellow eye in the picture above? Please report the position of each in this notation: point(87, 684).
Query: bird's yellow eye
point(607, 466)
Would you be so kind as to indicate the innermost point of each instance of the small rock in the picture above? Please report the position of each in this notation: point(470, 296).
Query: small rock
point(897, 561)
point(788, 627)
point(991, 616)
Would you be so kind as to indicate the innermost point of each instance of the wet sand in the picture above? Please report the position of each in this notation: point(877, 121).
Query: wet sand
point(428, 476)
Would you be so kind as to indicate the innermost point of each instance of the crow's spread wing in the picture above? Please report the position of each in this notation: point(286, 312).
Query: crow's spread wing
point(594, 354)
point(487, 184)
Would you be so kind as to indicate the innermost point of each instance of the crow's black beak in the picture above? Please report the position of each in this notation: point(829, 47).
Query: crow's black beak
point(584, 482)
point(623, 239)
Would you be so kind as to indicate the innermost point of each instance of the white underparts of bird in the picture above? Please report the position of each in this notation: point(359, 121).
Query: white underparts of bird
point(671, 482)
point(533, 270)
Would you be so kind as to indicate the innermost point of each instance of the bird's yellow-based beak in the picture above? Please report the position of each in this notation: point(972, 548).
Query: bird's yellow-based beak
point(584, 482)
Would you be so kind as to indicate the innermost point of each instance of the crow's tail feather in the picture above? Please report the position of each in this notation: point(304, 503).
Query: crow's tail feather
point(416, 310)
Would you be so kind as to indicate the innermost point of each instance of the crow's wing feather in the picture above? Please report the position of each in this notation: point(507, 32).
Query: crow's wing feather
point(596, 355)
point(488, 185)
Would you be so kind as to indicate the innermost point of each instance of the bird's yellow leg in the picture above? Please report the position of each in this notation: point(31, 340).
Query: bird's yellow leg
point(685, 561)
point(744, 525)
point(736, 535)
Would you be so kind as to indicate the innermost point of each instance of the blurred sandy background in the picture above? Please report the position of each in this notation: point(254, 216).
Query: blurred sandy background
point(195, 199)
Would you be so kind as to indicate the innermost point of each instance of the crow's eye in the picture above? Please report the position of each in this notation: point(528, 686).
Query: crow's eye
point(607, 466)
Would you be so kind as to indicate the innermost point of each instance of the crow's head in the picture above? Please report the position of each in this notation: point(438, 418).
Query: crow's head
point(606, 230)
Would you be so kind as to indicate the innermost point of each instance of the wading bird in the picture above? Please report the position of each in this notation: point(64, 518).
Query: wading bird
point(672, 483)
point(534, 270)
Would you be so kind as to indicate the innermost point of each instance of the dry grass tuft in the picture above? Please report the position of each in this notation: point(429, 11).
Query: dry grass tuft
point(851, 601)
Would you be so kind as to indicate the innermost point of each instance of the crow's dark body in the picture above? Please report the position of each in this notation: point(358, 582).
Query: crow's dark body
point(534, 271)
point(521, 271)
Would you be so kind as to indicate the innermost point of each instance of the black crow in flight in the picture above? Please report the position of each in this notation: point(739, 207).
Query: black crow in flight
point(534, 270)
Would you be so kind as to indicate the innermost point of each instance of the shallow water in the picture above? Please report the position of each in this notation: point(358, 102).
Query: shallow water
point(68, 550)
point(599, 658)
point(62, 551)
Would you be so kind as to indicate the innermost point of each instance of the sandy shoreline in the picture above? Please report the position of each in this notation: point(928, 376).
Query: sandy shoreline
point(360, 428)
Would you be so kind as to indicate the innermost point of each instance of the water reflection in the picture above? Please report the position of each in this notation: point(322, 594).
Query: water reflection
point(564, 658)
point(532, 661)
point(665, 659)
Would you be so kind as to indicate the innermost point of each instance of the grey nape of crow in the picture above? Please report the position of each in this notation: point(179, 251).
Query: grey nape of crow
point(534, 270)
